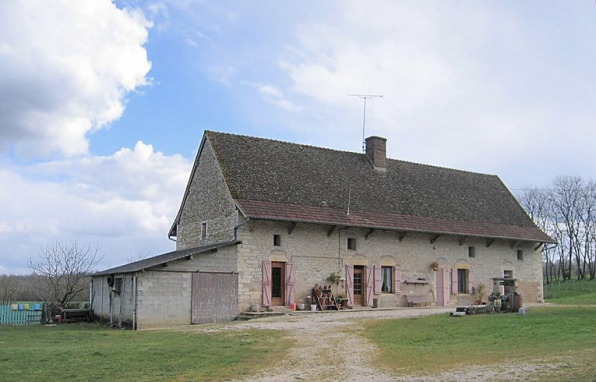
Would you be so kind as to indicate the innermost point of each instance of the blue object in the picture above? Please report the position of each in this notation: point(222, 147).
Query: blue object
point(21, 307)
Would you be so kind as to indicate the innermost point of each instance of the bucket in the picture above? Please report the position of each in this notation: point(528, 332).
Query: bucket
point(313, 307)
point(300, 306)
point(521, 311)
point(255, 307)
point(293, 306)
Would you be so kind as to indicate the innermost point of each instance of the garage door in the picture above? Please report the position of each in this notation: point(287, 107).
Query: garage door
point(214, 297)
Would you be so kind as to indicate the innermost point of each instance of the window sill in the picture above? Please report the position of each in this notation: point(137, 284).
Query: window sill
point(419, 282)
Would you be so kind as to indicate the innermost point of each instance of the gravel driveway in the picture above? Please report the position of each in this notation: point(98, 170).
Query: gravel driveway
point(327, 349)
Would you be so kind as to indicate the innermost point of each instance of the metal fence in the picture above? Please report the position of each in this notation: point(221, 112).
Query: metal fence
point(22, 313)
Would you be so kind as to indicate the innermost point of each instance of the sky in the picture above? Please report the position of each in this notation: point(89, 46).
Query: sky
point(103, 104)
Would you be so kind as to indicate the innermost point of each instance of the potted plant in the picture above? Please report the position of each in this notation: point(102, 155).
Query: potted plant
point(334, 278)
point(480, 293)
point(435, 266)
point(341, 298)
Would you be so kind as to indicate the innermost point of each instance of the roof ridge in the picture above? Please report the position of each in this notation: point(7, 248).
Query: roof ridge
point(211, 132)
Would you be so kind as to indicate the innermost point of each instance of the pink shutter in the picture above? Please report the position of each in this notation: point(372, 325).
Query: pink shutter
point(266, 283)
point(397, 279)
point(369, 286)
point(290, 280)
point(378, 279)
point(350, 284)
point(446, 284)
point(470, 282)
point(454, 280)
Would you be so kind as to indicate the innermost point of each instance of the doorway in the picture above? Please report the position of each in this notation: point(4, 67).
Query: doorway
point(358, 285)
point(442, 295)
point(278, 284)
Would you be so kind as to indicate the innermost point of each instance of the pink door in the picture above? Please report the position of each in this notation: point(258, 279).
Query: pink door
point(442, 287)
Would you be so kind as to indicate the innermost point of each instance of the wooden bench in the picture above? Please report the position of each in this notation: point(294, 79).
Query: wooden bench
point(417, 300)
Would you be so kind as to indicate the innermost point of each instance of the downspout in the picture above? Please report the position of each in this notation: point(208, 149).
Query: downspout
point(135, 295)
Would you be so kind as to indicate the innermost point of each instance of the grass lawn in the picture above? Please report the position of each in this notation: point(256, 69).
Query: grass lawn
point(571, 292)
point(441, 343)
point(90, 352)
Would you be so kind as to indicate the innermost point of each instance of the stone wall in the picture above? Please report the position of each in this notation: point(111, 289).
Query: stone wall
point(208, 200)
point(316, 255)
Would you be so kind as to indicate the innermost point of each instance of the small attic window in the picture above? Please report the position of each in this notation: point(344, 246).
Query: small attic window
point(352, 243)
point(520, 254)
point(472, 252)
point(203, 230)
point(276, 240)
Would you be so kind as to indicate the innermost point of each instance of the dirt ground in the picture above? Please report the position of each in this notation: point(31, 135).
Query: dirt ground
point(344, 356)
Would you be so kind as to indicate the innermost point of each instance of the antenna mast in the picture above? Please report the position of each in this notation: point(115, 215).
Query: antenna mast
point(365, 97)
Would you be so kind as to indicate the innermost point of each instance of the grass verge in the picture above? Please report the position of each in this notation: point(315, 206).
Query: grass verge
point(571, 292)
point(90, 352)
point(442, 343)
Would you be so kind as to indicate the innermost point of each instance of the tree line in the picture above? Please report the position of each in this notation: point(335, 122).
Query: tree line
point(565, 210)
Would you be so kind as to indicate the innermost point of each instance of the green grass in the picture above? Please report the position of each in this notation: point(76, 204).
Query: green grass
point(571, 292)
point(441, 343)
point(90, 352)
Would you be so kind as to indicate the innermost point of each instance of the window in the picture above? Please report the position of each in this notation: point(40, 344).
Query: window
point(203, 230)
point(277, 240)
point(118, 285)
point(520, 254)
point(462, 281)
point(507, 274)
point(387, 279)
point(351, 243)
point(472, 252)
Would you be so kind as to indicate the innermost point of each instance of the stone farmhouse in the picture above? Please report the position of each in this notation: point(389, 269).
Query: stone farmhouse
point(262, 221)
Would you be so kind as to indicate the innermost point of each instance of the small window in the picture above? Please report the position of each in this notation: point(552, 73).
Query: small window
point(203, 230)
point(351, 243)
point(462, 281)
point(507, 274)
point(472, 252)
point(118, 285)
point(277, 240)
point(387, 279)
point(520, 254)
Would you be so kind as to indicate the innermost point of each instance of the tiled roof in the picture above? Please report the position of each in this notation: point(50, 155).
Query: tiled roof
point(161, 259)
point(286, 181)
point(375, 220)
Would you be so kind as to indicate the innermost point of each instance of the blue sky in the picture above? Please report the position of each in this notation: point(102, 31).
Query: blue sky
point(103, 105)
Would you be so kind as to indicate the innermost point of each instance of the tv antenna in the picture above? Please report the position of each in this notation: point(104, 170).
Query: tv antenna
point(365, 97)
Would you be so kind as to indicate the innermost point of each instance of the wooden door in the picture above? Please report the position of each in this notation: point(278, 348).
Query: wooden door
point(358, 286)
point(442, 287)
point(214, 297)
point(278, 284)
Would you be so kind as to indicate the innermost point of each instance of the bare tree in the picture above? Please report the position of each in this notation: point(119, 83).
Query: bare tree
point(62, 267)
point(9, 289)
point(566, 199)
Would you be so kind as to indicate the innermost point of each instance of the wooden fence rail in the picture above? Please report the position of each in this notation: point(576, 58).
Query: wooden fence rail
point(29, 313)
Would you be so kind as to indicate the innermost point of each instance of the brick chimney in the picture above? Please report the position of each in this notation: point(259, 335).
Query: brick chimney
point(376, 152)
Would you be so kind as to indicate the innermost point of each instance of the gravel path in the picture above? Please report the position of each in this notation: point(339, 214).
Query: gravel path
point(327, 348)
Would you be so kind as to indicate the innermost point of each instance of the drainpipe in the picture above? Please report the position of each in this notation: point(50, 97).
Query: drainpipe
point(135, 295)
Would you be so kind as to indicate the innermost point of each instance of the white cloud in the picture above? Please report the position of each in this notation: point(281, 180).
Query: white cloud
point(275, 96)
point(65, 69)
point(126, 202)
point(466, 85)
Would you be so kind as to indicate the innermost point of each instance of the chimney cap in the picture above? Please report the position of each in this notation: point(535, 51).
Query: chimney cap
point(376, 137)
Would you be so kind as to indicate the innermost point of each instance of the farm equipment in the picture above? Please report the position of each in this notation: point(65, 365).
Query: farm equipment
point(503, 299)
